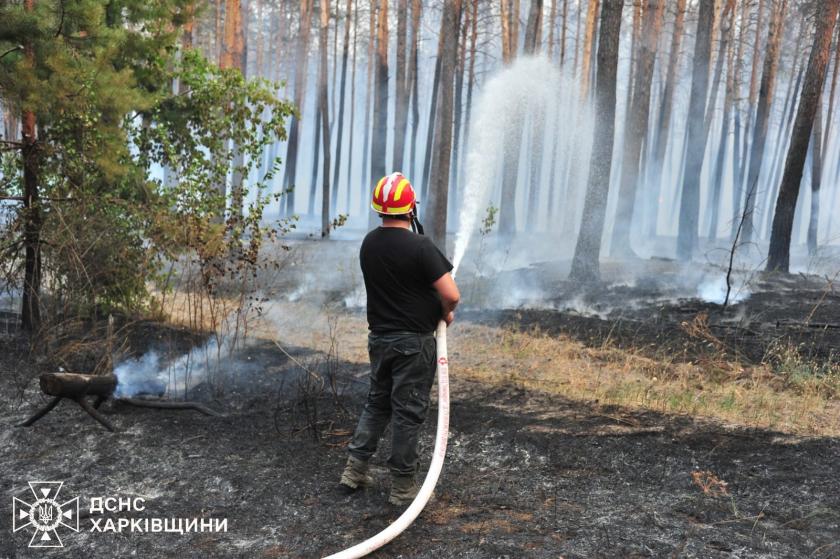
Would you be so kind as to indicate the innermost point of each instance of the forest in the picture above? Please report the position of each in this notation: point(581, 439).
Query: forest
point(639, 199)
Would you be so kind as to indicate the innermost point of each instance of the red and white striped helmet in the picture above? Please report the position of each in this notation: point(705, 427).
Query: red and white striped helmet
point(393, 195)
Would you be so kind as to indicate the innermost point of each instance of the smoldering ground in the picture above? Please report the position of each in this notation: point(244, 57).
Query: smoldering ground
point(529, 472)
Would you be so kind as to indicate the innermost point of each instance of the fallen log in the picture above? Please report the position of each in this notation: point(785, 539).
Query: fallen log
point(169, 405)
point(74, 385)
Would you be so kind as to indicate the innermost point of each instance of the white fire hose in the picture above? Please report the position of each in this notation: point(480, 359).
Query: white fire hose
point(407, 517)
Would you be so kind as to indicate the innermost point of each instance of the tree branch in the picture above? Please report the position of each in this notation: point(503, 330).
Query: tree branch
point(11, 50)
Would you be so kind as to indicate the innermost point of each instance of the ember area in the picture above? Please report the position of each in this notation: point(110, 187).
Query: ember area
point(673, 428)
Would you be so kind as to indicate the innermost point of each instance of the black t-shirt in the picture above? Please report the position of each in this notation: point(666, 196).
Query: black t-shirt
point(399, 268)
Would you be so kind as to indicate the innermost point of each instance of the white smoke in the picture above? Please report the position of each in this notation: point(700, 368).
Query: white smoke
point(713, 290)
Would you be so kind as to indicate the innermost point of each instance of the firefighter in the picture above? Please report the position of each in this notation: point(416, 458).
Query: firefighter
point(409, 290)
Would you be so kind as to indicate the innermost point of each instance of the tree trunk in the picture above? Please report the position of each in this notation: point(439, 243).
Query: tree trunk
point(749, 132)
point(416, 10)
point(316, 151)
point(782, 141)
point(402, 88)
point(778, 258)
point(430, 126)
point(439, 188)
point(696, 147)
point(738, 152)
point(301, 58)
point(234, 55)
point(366, 191)
point(588, 43)
point(662, 129)
point(350, 157)
point(471, 71)
point(729, 99)
point(345, 54)
point(32, 217)
point(585, 267)
point(323, 99)
point(552, 17)
point(459, 112)
point(636, 132)
point(816, 178)
point(563, 32)
point(533, 27)
point(765, 100)
point(380, 101)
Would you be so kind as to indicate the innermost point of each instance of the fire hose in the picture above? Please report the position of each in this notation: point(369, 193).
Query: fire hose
point(410, 514)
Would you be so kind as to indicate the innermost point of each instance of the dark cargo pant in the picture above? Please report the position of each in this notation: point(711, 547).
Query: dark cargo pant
point(402, 372)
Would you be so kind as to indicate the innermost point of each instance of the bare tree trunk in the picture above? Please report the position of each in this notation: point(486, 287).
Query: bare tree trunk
point(416, 10)
point(316, 155)
point(690, 200)
point(507, 49)
point(738, 151)
point(662, 129)
point(471, 70)
point(402, 88)
point(816, 179)
point(325, 115)
point(439, 190)
point(533, 26)
point(380, 101)
point(781, 144)
point(765, 100)
point(366, 192)
point(636, 132)
point(749, 132)
point(585, 264)
point(345, 54)
point(834, 73)
point(563, 32)
point(218, 33)
point(729, 99)
point(778, 258)
point(459, 112)
point(552, 20)
point(430, 126)
point(350, 157)
point(301, 56)
point(588, 43)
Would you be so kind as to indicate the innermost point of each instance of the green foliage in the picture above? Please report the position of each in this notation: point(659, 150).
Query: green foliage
point(100, 84)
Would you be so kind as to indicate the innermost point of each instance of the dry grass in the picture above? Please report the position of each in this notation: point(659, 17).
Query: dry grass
point(791, 397)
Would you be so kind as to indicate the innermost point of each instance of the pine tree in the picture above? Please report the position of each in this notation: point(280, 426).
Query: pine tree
point(778, 258)
point(585, 264)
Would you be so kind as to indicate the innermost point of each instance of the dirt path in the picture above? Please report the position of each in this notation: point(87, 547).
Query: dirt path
point(528, 475)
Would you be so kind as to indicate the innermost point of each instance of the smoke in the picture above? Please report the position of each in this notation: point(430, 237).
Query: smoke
point(713, 290)
point(148, 375)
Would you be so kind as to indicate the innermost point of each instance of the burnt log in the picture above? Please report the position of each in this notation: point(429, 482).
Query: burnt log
point(73, 385)
point(170, 405)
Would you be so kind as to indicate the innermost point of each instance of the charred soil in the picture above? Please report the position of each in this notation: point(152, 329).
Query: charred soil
point(528, 474)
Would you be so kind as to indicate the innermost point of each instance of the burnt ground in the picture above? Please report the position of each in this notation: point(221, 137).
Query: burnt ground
point(527, 474)
point(654, 315)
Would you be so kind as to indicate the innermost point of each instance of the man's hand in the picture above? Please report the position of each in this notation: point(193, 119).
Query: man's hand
point(449, 318)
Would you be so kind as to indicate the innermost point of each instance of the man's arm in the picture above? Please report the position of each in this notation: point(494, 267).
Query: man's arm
point(449, 296)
